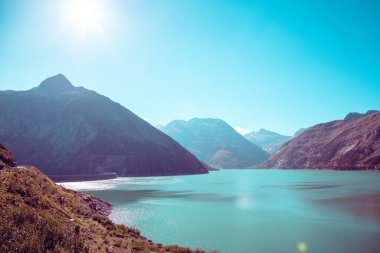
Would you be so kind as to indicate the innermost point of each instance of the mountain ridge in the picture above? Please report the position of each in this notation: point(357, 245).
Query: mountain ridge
point(268, 140)
point(356, 115)
point(82, 132)
point(341, 145)
point(215, 142)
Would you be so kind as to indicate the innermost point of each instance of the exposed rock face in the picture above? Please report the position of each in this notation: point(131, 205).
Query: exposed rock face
point(216, 143)
point(64, 129)
point(350, 144)
point(267, 140)
point(7, 159)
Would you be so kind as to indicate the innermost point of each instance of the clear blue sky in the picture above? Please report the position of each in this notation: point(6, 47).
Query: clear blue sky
point(279, 65)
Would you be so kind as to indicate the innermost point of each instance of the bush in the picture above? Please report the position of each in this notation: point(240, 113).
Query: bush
point(24, 229)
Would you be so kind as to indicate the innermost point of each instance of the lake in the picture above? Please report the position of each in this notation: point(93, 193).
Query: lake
point(264, 211)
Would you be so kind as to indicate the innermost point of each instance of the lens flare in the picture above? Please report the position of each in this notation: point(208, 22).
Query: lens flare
point(302, 247)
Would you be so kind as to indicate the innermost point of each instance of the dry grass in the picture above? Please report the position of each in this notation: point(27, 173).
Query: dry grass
point(40, 216)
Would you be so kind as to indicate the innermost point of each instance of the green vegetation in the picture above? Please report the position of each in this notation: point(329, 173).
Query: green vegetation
point(40, 216)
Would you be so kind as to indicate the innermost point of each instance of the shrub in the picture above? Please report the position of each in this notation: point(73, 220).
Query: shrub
point(26, 230)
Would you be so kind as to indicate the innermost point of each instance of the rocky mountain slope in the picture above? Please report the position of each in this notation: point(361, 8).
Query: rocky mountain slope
point(7, 159)
point(40, 216)
point(267, 140)
point(63, 129)
point(356, 115)
point(216, 143)
point(299, 131)
point(350, 144)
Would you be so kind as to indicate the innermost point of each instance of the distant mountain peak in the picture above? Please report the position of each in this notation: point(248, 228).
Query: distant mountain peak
point(264, 131)
point(206, 120)
point(199, 122)
point(215, 142)
point(56, 84)
point(176, 121)
point(268, 140)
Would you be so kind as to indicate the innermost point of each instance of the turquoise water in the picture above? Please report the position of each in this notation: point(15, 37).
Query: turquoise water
point(266, 211)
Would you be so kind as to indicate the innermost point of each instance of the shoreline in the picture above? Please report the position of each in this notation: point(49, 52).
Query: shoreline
point(36, 210)
point(106, 176)
point(81, 178)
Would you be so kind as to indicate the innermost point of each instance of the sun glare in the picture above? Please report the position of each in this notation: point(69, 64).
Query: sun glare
point(85, 17)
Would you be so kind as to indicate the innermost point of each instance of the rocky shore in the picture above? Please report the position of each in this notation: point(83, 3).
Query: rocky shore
point(38, 215)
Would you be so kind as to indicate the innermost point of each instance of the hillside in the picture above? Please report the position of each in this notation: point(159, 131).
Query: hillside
point(67, 130)
point(350, 144)
point(7, 159)
point(267, 140)
point(216, 143)
point(40, 216)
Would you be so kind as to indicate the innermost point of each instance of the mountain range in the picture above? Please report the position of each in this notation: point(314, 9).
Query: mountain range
point(267, 140)
point(215, 142)
point(352, 143)
point(67, 130)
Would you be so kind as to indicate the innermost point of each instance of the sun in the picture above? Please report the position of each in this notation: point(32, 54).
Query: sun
point(85, 17)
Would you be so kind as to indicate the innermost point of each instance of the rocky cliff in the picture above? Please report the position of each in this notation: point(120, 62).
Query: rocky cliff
point(350, 144)
point(63, 129)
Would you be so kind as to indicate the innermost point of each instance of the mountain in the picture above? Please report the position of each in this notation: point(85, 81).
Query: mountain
point(267, 140)
point(39, 216)
point(215, 142)
point(350, 144)
point(299, 131)
point(356, 115)
point(69, 130)
point(7, 159)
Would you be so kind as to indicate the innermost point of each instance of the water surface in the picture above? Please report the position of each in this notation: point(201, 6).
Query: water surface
point(266, 211)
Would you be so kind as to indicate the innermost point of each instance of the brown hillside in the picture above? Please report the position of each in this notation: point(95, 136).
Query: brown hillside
point(7, 159)
point(40, 216)
point(350, 144)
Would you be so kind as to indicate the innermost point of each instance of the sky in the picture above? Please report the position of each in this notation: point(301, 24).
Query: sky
point(278, 65)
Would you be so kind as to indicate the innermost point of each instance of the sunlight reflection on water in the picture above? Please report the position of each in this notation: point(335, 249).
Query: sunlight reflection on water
point(115, 183)
point(266, 211)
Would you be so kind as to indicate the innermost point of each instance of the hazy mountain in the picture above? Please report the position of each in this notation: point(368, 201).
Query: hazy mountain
point(267, 140)
point(216, 143)
point(64, 129)
point(353, 143)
